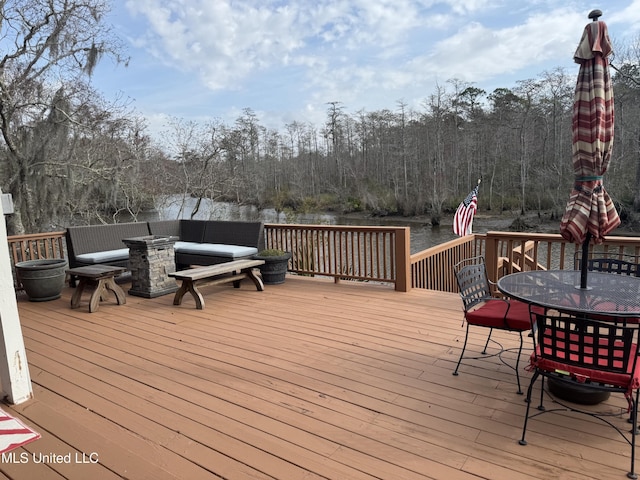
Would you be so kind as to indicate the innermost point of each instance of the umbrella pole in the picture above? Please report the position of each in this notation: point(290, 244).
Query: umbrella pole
point(584, 261)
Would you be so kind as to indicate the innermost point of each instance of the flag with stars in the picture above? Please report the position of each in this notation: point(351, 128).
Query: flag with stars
point(463, 219)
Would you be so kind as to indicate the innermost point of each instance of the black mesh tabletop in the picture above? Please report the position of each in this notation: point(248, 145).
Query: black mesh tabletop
point(606, 293)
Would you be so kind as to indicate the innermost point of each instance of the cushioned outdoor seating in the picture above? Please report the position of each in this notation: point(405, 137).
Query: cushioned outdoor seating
point(198, 242)
point(102, 244)
point(616, 263)
point(576, 350)
point(109, 256)
point(612, 263)
point(217, 249)
point(482, 309)
point(209, 242)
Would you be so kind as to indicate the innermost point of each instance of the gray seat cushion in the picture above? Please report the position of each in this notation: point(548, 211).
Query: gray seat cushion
point(215, 249)
point(104, 257)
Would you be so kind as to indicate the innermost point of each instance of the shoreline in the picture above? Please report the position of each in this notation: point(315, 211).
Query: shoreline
point(530, 222)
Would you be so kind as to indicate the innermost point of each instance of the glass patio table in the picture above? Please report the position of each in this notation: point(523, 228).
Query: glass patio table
point(606, 293)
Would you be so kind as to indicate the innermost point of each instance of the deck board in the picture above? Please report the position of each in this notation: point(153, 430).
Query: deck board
point(309, 379)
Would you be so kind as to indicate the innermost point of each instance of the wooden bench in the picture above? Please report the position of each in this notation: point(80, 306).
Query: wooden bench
point(102, 278)
point(215, 275)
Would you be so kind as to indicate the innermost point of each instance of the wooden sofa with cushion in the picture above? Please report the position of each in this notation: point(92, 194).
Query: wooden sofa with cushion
point(209, 242)
point(200, 242)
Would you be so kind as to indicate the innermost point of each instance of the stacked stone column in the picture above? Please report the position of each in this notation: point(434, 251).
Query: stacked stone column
point(151, 259)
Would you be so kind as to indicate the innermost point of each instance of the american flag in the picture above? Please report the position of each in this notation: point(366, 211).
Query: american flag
point(463, 219)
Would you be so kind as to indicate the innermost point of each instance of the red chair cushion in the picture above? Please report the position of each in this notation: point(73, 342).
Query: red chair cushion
point(630, 379)
point(492, 314)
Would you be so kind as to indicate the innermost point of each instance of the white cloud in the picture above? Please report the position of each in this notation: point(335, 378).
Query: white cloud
point(284, 56)
point(463, 7)
point(225, 42)
point(628, 18)
point(477, 52)
point(221, 41)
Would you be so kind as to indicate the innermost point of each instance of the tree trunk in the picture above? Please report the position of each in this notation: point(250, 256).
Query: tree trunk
point(636, 198)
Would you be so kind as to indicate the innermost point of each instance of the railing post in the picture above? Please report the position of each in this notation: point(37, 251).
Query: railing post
point(14, 368)
point(491, 256)
point(403, 259)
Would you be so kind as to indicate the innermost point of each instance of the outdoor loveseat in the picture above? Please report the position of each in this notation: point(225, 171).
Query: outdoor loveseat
point(198, 242)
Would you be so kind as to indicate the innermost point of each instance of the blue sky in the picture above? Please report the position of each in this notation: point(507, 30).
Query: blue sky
point(286, 59)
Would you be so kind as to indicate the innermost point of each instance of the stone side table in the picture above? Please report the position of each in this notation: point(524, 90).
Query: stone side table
point(151, 260)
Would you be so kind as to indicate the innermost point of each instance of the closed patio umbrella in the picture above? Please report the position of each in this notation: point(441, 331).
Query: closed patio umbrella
point(590, 213)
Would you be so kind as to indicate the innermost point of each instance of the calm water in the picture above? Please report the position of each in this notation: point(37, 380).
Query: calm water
point(422, 235)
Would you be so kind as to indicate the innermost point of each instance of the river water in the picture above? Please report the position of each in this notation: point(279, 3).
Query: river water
point(423, 235)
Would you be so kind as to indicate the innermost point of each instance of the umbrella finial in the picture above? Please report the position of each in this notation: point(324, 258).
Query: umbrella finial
point(595, 14)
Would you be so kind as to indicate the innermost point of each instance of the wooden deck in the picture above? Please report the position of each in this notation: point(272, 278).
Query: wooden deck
point(305, 380)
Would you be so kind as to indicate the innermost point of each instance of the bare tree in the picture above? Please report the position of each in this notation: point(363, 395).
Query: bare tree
point(198, 155)
point(439, 123)
point(334, 133)
point(626, 86)
point(49, 49)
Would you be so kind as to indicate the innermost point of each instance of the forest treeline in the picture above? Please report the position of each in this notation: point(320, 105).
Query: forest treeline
point(70, 156)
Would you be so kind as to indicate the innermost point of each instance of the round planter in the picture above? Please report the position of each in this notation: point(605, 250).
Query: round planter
point(581, 394)
point(43, 279)
point(274, 269)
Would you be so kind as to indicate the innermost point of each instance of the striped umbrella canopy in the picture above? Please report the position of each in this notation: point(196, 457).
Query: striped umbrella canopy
point(590, 213)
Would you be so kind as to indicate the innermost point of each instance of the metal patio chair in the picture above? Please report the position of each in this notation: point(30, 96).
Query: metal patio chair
point(482, 309)
point(611, 262)
point(565, 351)
point(615, 263)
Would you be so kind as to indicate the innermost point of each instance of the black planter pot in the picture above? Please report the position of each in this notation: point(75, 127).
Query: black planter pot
point(274, 269)
point(42, 279)
point(576, 393)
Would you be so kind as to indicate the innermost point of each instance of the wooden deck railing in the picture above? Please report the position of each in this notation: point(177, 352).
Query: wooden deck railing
point(382, 254)
point(344, 252)
point(432, 268)
point(36, 246)
point(512, 252)
point(506, 252)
